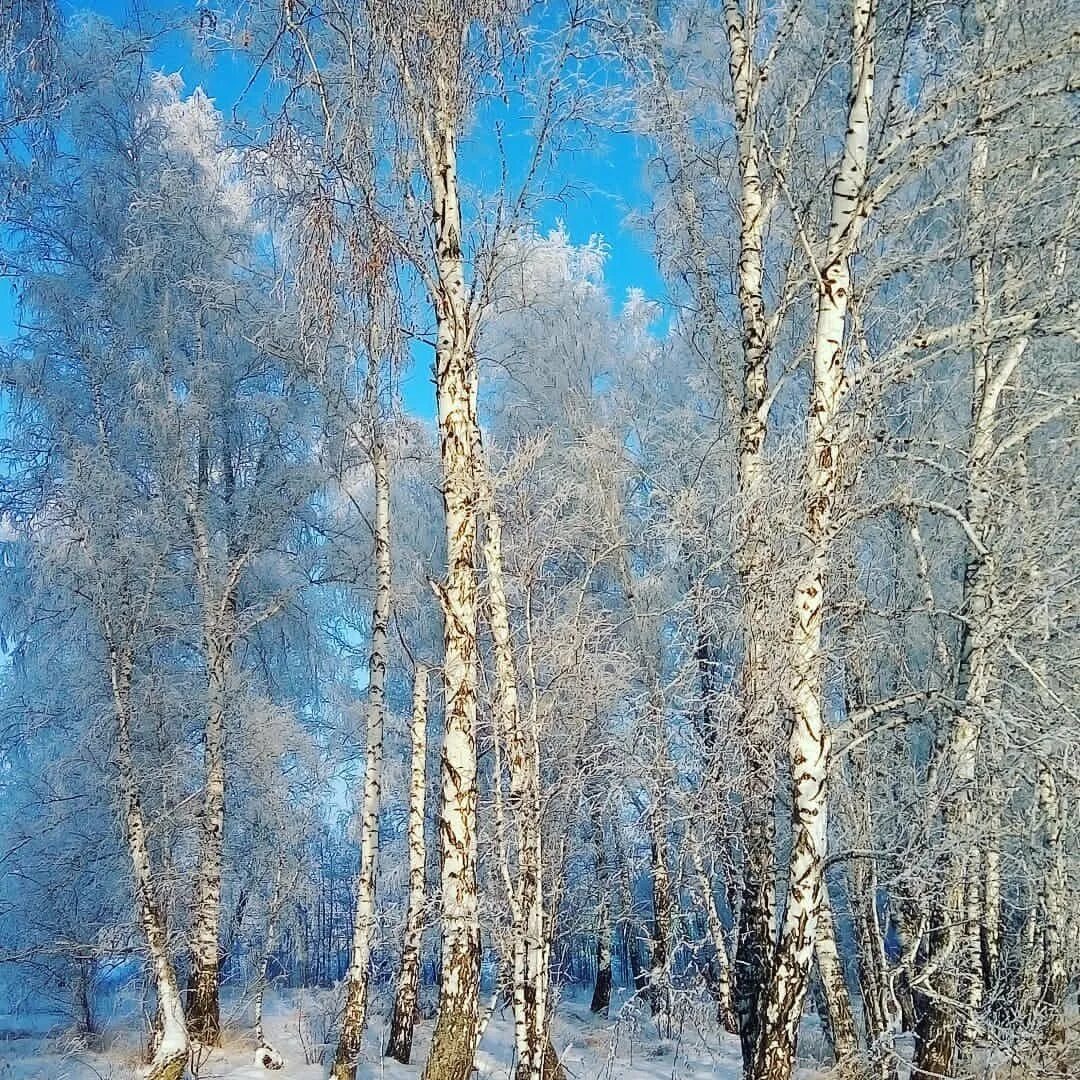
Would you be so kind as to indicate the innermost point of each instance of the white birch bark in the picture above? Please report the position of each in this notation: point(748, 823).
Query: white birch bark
point(172, 1049)
point(356, 979)
point(218, 600)
point(407, 994)
point(721, 988)
point(782, 1001)
point(265, 1054)
point(535, 1057)
point(454, 1040)
point(757, 912)
point(1054, 979)
point(203, 1009)
point(842, 1033)
point(990, 914)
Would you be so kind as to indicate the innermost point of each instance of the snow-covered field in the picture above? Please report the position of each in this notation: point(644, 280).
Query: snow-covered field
point(626, 1047)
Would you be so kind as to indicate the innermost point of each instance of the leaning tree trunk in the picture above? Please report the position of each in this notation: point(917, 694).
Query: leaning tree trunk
point(720, 977)
point(454, 1041)
point(172, 1048)
point(407, 994)
point(356, 980)
point(784, 995)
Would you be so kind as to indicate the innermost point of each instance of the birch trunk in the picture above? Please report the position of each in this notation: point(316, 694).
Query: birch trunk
point(454, 1040)
point(991, 913)
point(653, 984)
point(218, 599)
point(873, 980)
point(1054, 978)
point(661, 931)
point(841, 1020)
point(356, 980)
point(720, 981)
point(861, 880)
point(407, 995)
point(601, 996)
point(204, 1017)
point(940, 1042)
point(785, 992)
point(265, 1054)
point(535, 1056)
point(757, 911)
point(170, 1056)
point(755, 929)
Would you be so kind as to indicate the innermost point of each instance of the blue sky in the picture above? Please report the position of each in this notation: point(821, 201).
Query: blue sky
point(603, 182)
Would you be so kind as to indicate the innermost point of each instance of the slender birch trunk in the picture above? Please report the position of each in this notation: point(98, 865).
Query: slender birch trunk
point(842, 1033)
point(662, 930)
point(356, 980)
point(940, 1042)
point(407, 995)
point(1054, 980)
point(720, 980)
point(782, 1001)
point(601, 997)
point(873, 981)
point(755, 930)
point(218, 599)
point(971, 882)
point(265, 1054)
point(757, 910)
point(535, 1056)
point(875, 978)
point(990, 923)
point(170, 1055)
point(655, 983)
point(454, 1040)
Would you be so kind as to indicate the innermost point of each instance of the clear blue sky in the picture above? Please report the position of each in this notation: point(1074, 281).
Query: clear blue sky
point(603, 183)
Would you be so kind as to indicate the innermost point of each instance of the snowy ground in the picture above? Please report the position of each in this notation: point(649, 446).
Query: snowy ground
point(626, 1047)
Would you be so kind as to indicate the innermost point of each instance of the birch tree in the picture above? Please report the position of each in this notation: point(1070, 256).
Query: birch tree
point(352, 1025)
point(783, 993)
point(101, 526)
point(407, 990)
point(431, 70)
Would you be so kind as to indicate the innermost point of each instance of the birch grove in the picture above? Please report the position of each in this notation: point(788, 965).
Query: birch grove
point(657, 421)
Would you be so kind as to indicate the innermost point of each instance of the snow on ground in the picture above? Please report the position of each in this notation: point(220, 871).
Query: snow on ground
point(626, 1047)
